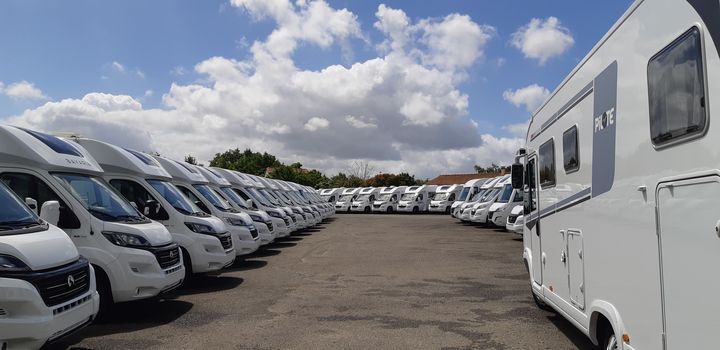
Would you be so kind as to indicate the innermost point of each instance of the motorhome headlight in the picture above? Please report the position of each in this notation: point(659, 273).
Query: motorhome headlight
point(125, 239)
point(237, 222)
point(257, 218)
point(200, 228)
point(275, 214)
point(9, 263)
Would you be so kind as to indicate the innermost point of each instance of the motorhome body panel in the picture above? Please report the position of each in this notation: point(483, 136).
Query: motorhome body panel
point(611, 197)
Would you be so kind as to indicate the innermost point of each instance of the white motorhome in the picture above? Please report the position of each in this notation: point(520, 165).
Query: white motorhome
point(623, 183)
point(285, 193)
point(120, 242)
point(262, 200)
point(466, 210)
point(304, 196)
point(47, 288)
point(348, 195)
point(515, 220)
point(331, 195)
point(147, 185)
point(469, 190)
point(237, 239)
point(223, 189)
point(508, 199)
point(388, 198)
point(365, 199)
point(267, 189)
point(241, 186)
point(480, 211)
point(416, 199)
point(445, 196)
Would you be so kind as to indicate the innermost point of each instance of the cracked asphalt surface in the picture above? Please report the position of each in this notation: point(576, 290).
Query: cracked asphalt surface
point(355, 282)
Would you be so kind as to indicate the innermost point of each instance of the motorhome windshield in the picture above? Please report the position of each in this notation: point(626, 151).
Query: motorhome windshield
point(14, 214)
point(364, 197)
point(385, 197)
point(234, 197)
point(176, 199)
point(464, 193)
point(441, 196)
point(478, 195)
point(213, 198)
point(301, 197)
point(407, 196)
point(259, 197)
point(489, 194)
point(346, 198)
point(506, 194)
point(100, 199)
point(269, 196)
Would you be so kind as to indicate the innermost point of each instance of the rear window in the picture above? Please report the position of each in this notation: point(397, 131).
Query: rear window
point(676, 90)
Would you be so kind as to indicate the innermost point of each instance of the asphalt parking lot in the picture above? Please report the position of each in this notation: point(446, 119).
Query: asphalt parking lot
point(355, 282)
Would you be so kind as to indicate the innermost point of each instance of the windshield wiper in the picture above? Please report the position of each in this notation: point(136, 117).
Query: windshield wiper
point(130, 218)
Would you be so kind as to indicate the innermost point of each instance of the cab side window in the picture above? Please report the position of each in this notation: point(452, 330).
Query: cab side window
point(26, 185)
point(134, 192)
point(547, 164)
point(676, 90)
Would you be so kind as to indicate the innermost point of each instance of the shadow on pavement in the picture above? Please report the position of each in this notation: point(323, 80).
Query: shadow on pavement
point(246, 265)
point(283, 244)
point(578, 338)
point(130, 317)
point(264, 253)
point(207, 284)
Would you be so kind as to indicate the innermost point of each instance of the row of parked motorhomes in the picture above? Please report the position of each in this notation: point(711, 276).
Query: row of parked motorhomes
point(84, 224)
point(486, 201)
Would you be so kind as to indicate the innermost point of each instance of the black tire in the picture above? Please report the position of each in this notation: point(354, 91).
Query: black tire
point(367, 210)
point(416, 210)
point(609, 340)
point(104, 288)
point(390, 210)
point(447, 211)
point(187, 264)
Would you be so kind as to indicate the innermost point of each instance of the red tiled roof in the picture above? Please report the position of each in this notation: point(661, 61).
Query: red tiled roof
point(451, 179)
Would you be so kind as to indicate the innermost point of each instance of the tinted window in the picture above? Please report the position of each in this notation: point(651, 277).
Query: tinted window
point(676, 90)
point(194, 199)
point(134, 192)
point(571, 156)
point(547, 164)
point(26, 185)
point(143, 158)
point(56, 144)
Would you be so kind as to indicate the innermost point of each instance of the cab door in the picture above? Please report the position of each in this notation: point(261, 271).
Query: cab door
point(532, 222)
point(689, 233)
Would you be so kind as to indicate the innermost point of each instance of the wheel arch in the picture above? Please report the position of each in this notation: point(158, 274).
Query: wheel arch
point(600, 310)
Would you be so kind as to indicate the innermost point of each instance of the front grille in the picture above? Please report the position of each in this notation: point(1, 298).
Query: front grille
point(293, 219)
point(512, 219)
point(287, 221)
point(270, 226)
point(61, 284)
point(376, 205)
point(254, 232)
point(167, 256)
point(226, 241)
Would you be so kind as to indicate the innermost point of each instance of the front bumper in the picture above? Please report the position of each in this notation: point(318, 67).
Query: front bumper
point(136, 274)
point(29, 323)
point(243, 241)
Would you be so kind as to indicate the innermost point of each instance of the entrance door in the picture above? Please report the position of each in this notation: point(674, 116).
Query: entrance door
point(532, 221)
point(688, 214)
point(576, 268)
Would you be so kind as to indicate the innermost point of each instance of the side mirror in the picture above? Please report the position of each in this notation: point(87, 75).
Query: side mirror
point(50, 212)
point(32, 204)
point(517, 171)
point(151, 208)
point(249, 203)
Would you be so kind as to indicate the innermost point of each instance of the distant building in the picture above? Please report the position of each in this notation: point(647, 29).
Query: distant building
point(451, 179)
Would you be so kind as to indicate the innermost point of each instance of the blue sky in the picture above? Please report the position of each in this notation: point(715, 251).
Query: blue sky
point(68, 49)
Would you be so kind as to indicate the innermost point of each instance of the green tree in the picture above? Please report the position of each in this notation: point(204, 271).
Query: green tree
point(245, 161)
point(190, 159)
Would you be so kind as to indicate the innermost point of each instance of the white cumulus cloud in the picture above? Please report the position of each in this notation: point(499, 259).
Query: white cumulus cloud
point(531, 96)
point(543, 39)
point(22, 90)
point(316, 123)
point(402, 110)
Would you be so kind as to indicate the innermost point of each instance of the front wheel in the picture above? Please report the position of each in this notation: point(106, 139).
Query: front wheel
point(187, 263)
point(416, 210)
point(389, 210)
point(447, 211)
point(609, 341)
point(367, 210)
point(539, 303)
